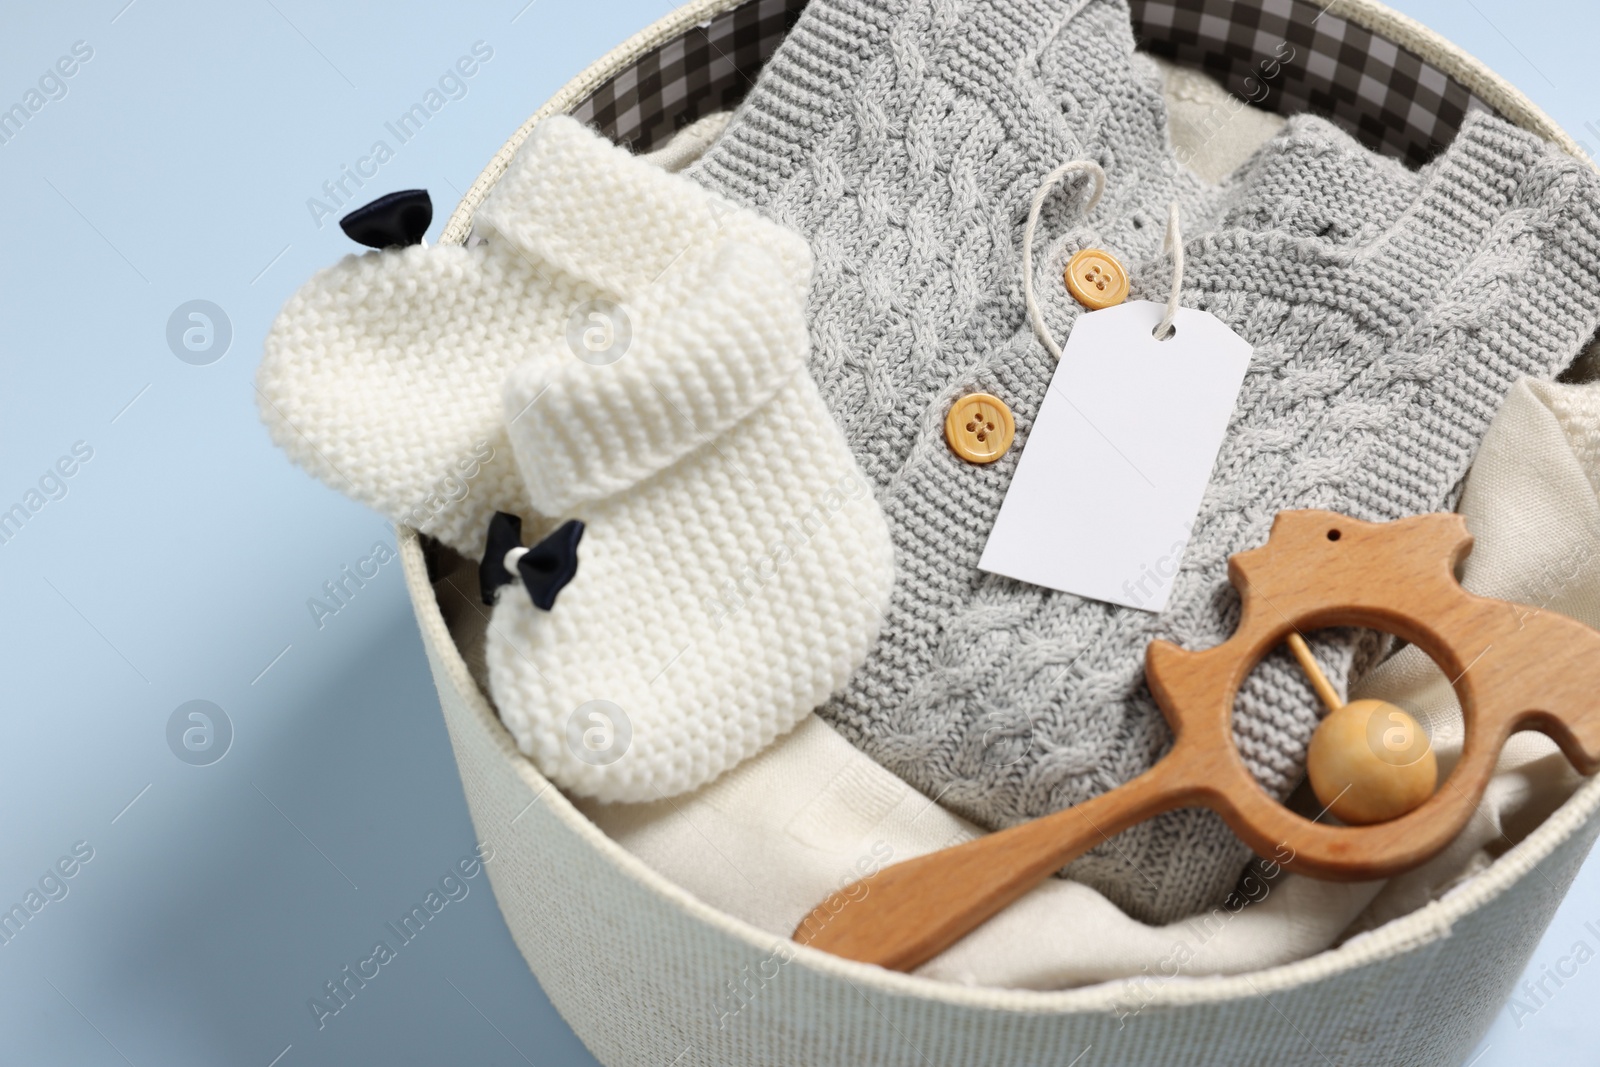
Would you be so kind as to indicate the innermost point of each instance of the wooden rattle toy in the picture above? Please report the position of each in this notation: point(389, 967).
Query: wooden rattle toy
point(1512, 668)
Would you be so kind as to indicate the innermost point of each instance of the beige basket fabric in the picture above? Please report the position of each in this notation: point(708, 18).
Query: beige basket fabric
point(646, 974)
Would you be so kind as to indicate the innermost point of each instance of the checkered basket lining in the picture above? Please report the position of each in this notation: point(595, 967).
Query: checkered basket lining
point(706, 70)
point(1286, 56)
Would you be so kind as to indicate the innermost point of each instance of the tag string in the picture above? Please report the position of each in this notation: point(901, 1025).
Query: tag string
point(1051, 180)
point(1172, 245)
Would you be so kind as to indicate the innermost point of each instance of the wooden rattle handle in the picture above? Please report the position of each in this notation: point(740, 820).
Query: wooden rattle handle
point(906, 914)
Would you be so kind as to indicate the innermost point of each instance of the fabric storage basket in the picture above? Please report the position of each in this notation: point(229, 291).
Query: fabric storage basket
point(636, 966)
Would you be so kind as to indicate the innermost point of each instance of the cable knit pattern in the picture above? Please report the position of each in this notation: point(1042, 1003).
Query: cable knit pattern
point(735, 568)
point(1389, 311)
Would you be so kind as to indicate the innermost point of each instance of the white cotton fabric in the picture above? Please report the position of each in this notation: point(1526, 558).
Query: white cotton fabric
point(1213, 131)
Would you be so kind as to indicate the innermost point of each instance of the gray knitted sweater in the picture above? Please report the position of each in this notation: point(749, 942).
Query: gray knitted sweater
point(1389, 312)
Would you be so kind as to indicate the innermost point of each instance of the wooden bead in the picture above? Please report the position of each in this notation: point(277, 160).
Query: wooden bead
point(1370, 762)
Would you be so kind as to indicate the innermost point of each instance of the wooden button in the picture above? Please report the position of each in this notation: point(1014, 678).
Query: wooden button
point(979, 428)
point(1096, 280)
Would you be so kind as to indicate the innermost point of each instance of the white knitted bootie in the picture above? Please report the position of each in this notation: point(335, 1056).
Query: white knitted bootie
point(735, 567)
point(624, 348)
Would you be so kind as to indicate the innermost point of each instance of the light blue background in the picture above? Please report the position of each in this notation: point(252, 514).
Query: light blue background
point(177, 567)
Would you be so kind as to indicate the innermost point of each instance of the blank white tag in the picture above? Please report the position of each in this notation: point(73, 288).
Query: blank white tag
point(1107, 489)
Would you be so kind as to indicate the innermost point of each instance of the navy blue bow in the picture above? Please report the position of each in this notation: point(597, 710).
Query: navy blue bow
point(396, 219)
point(545, 569)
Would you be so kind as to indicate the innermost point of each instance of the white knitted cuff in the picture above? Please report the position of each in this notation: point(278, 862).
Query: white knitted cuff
point(594, 211)
point(685, 376)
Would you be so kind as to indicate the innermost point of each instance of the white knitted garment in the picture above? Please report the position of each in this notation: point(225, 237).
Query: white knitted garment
point(632, 348)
